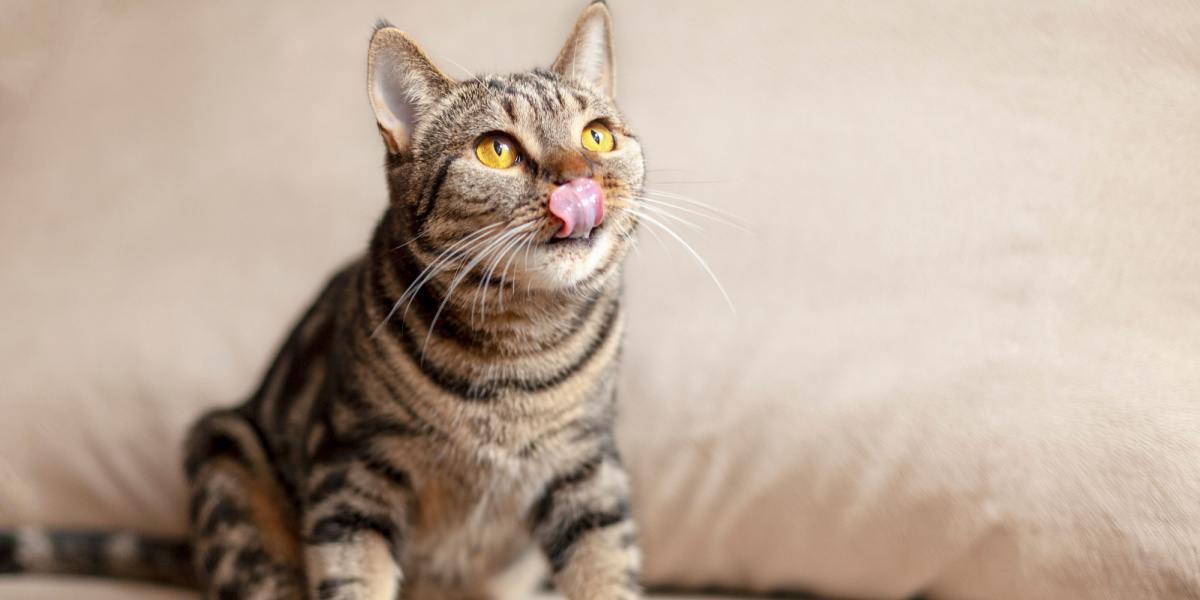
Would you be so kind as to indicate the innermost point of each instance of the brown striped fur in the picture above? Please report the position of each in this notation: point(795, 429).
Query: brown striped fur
point(435, 444)
point(438, 425)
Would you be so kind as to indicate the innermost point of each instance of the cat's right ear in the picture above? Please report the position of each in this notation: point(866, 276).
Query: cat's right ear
point(402, 84)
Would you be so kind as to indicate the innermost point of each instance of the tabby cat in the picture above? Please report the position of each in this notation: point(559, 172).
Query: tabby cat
point(439, 424)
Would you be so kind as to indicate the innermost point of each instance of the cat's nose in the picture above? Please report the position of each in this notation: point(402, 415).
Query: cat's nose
point(579, 205)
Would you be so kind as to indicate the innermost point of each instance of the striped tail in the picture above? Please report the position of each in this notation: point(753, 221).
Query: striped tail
point(121, 555)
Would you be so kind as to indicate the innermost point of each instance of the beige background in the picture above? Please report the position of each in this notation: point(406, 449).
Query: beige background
point(967, 347)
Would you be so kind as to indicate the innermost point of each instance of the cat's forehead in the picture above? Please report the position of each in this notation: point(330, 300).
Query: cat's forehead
point(538, 106)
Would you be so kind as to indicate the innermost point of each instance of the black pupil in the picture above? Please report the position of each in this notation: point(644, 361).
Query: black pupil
point(498, 147)
point(596, 137)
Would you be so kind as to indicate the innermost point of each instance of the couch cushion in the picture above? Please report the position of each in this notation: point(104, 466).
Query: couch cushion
point(47, 588)
point(967, 348)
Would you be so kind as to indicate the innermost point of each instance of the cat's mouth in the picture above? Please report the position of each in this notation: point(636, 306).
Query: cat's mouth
point(567, 242)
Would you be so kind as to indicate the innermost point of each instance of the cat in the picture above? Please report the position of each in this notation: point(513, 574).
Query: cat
point(439, 424)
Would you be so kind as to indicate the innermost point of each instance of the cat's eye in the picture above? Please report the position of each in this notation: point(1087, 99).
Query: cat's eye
point(598, 138)
point(497, 150)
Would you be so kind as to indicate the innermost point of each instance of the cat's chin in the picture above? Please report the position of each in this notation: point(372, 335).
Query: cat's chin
point(566, 263)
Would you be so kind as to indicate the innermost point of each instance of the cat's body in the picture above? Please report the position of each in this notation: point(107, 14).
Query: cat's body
point(439, 424)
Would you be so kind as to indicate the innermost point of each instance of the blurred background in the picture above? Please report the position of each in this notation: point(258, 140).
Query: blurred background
point(966, 349)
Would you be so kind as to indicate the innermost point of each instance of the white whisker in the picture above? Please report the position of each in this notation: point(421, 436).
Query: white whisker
point(694, 202)
point(694, 254)
point(466, 270)
point(487, 277)
point(461, 68)
point(660, 211)
point(504, 275)
point(428, 272)
point(454, 252)
point(715, 218)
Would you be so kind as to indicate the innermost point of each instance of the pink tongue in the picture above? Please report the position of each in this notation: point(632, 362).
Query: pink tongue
point(579, 204)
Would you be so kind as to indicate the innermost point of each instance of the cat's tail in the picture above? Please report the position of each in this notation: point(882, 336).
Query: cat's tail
point(113, 554)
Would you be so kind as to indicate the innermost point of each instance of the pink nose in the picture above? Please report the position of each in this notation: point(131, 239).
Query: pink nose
point(579, 204)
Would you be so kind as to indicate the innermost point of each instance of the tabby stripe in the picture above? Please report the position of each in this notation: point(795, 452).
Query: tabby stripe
point(547, 75)
point(385, 470)
point(303, 355)
point(329, 588)
point(603, 272)
point(8, 552)
point(586, 428)
point(580, 319)
point(582, 100)
point(558, 548)
point(84, 551)
point(329, 485)
point(273, 463)
point(224, 513)
point(470, 390)
point(165, 560)
point(466, 213)
point(249, 559)
point(285, 355)
point(511, 91)
point(379, 369)
point(346, 522)
point(212, 559)
point(425, 305)
point(213, 446)
point(197, 504)
point(438, 179)
point(535, 170)
point(413, 426)
point(380, 426)
point(231, 591)
point(411, 270)
point(543, 90)
point(545, 504)
point(423, 302)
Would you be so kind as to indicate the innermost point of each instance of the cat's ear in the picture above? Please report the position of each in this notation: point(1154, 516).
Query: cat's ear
point(588, 54)
point(402, 83)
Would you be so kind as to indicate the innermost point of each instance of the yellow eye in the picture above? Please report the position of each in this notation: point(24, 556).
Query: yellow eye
point(497, 151)
point(597, 137)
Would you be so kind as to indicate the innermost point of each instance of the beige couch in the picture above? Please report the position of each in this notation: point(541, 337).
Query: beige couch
point(966, 354)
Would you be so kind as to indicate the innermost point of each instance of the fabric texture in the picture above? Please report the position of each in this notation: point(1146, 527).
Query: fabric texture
point(966, 354)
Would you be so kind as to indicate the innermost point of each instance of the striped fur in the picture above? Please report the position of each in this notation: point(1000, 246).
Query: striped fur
point(438, 425)
point(104, 554)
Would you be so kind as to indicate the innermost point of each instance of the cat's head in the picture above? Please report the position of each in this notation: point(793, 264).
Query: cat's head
point(534, 173)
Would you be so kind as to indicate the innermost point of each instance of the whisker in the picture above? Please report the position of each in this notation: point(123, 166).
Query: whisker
point(504, 275)
point(688, 182)
point(425, 274)
point(694, 254)
point(443, 260)
point(487, 277)
point(461, 68)
point(409, 242)
point(715, 218)
point(659, 211)
point(482, 255)
point(463, 272)
point(693, 201)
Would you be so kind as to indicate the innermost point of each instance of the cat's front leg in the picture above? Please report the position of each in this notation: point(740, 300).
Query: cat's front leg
point(355, 523)
point(583, 525)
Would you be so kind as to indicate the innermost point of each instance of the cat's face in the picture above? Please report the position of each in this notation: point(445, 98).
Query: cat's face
point(532, 176)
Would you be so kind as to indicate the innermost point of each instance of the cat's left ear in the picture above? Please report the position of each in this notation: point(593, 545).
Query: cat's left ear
point(587, 56)
point(402, 84)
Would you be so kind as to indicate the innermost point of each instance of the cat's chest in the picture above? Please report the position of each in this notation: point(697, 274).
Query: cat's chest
point(470, 524)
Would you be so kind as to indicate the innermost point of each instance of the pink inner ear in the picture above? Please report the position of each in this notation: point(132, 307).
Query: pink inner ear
point(579, 204)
